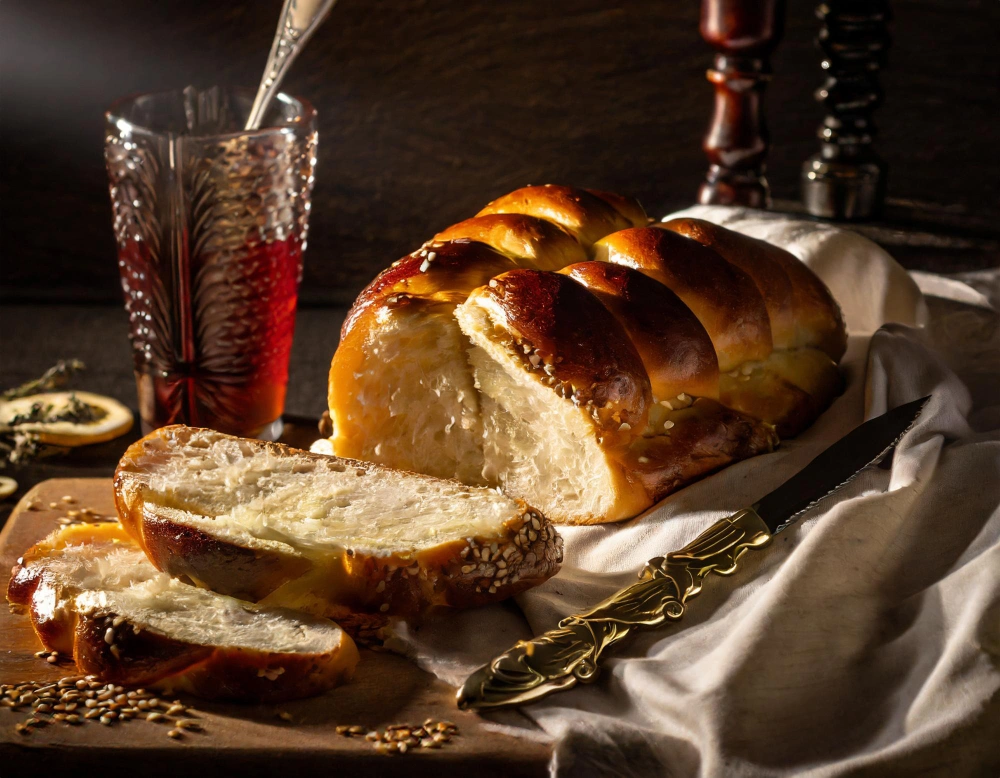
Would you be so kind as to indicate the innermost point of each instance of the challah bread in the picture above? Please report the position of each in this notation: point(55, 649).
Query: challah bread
point(92, 594)
point(717, 380)
point(333, 537)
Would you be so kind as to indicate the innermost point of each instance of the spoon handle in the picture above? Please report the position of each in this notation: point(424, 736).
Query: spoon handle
point(299, 20)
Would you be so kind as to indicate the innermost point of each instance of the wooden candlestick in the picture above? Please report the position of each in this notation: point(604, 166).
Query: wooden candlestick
point(744, 33)
point(846, 179)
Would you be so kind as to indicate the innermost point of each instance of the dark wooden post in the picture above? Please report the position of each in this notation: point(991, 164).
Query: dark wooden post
point(846, 179)
point(744, 33)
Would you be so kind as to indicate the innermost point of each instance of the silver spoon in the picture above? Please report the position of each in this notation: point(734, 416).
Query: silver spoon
point(299, 20)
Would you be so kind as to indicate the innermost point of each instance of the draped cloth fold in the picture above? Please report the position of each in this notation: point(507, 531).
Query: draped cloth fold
point(866, 639)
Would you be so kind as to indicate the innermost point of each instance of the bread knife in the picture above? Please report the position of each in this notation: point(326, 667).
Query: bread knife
point(571, 653)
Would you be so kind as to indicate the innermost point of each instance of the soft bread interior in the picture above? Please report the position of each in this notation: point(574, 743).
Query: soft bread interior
point(535, 443)
point(111, 564)
point(414, 407)
point(70, 569)
point(314, 504)
point(201, 617)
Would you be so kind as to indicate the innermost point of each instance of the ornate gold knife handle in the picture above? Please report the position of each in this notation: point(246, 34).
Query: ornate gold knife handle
point(561, 657)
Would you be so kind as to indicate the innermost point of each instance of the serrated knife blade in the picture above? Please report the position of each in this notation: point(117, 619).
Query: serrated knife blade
point(571, 653)
point(839, 464)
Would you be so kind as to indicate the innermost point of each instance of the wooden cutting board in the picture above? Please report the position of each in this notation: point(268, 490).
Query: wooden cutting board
point(250, 739)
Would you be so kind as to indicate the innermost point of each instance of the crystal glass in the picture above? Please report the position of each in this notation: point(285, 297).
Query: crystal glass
point(211, 224)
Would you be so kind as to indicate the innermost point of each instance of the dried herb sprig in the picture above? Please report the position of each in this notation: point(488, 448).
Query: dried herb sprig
point(77, 412)
point(18, 446)
point(56, 377)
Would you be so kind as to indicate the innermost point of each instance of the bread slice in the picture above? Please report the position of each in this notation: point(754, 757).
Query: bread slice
point(330, 536)
point(92, 594)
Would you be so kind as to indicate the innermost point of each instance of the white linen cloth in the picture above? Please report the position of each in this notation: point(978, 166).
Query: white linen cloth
point(865, 640)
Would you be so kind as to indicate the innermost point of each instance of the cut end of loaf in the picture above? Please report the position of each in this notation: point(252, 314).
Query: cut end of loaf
point(538, 442)
point(394, 401)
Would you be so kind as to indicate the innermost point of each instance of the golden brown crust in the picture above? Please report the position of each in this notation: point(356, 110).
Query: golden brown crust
point(564, 333)
point(704, 438)
point(142, 657)
point(403, 584)
point(802, 310)
point(30, 584)
point(675, 348)
point(628, 207)
point(439, 273)
point(26, 589)
point(528, 240)
point(789, 389)
point(145, 658)
point(192, 555)
point(584, 215)
point(246, 675)
point(723, 297)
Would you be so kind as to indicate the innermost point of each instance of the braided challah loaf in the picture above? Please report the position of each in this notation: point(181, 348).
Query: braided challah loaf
point(560, 347)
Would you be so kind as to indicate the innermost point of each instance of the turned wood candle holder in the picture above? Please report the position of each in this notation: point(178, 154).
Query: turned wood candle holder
point(744, 33)
point(846, 179)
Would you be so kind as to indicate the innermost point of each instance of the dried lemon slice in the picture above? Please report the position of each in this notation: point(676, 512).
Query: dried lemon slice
point(67, 418)
point(7, 486)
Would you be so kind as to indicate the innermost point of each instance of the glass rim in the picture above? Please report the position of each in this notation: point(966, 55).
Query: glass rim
point(307, 115)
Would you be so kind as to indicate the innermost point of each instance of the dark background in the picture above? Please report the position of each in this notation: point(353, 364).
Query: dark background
point(430, 108)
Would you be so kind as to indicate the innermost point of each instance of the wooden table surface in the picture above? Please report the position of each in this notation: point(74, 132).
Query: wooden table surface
point(248, 740)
